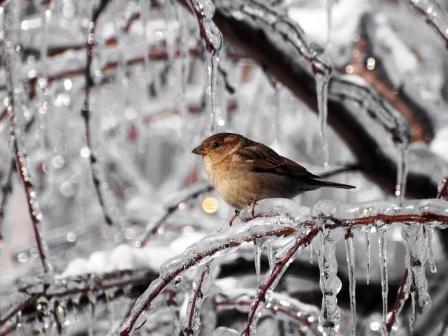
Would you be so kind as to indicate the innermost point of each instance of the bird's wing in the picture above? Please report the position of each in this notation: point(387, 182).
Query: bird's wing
point(260, 158)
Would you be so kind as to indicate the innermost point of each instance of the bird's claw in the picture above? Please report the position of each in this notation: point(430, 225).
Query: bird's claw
point(253, 203)
point(237, 213)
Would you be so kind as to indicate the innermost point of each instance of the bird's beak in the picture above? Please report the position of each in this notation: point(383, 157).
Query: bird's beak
point(199, 150)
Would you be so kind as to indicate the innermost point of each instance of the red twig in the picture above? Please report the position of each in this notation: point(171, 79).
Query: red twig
point(275, 273)
point(399, 301)
point(426, 15)
point(81, 285)
point(159, 285)
point(20, 161)
point(163, 281)
point(209, 45)
point(85, 111)
point(197, 295)
point(152, 229)
point(275, 307)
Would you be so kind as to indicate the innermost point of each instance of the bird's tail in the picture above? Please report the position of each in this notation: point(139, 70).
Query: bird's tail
point(333, 184)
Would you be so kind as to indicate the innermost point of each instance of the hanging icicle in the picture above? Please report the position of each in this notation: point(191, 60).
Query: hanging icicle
point(382, 245)
point(350, 256)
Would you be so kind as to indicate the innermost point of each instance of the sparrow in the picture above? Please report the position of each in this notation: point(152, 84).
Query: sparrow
point(244, 171)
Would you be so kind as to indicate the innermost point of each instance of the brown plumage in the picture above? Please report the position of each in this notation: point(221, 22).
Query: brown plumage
point(244, 171)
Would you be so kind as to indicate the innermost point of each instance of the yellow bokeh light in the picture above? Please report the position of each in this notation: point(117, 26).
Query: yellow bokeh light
point(210, 204)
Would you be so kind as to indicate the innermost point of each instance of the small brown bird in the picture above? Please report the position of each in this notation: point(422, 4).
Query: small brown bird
point(244, 171)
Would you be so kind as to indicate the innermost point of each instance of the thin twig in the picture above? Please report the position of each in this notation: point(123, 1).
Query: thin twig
point(276, 272)
point(6, 192)
point(81, 285)
point(399, 301)
point(85, 111)
point(426, 14)
point(155, 226)
point(197, 295)
point(164, 279)
point(20, 161)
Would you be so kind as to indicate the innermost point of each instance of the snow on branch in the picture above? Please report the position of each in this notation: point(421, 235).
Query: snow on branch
point(328, 217)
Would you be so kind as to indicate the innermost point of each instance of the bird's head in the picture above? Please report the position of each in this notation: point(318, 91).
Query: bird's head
point(219, 146)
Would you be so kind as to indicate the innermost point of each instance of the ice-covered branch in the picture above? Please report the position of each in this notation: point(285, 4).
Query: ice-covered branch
point(190, 193)
point(85, 111)
point(305, 316)
point(271, 225)
point(197, 254)
point(6, 191)
point(19, 153)
point(351, 118)
point(196, 300)
point(70, 287)
point(433, 14)
point(274, 276)
point(398, 303)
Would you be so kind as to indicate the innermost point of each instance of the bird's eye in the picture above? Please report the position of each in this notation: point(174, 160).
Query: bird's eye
point(215, 145)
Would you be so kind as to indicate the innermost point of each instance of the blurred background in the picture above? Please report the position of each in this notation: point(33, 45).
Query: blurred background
point(150, 105)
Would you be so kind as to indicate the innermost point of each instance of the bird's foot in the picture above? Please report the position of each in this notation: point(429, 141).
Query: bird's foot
point(253, 203)
point(237, 213)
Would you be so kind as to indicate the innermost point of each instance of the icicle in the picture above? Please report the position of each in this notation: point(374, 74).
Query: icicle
point(416, 260)
point(311, 249)
point(402, 172)
point(382, 245)
point(330, 284)
point(412, 314)
point(212, 65)
point(429, 242)
point(271, 257)
point(198, 295)
point(322, 81)
point(329, 4)
point(350, 255)
point(367, 236)
point(258, 251)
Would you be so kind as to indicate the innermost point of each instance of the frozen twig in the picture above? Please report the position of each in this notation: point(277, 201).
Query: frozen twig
point(20, 155)
point(205, 250)
point(435, 16)
point(165, 278)
point(153, 227)
point(398, 303)
point(72, 286)
point(85, 111)
point(275, 57)
point(278, 305)
point(196, 297)
point(5, 193)
point(275, 274)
